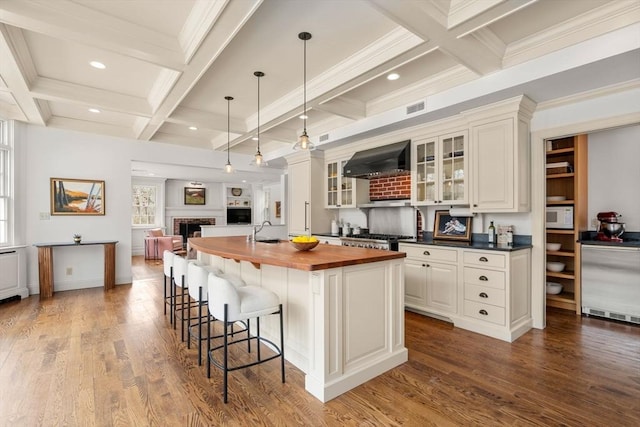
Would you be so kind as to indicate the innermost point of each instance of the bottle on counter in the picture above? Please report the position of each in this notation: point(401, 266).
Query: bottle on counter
point(334, 227)
point(492, 233)
point(510, 236)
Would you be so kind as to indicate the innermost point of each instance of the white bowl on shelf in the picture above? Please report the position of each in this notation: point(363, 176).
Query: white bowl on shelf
point(554, 288)
point(554, 246)
point(556, 267)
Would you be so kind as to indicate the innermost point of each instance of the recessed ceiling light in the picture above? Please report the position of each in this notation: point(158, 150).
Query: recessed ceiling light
point(303, 116)
point(97, 64)
point(193, 128)
point(393, 76)
point(244, 180)
point(255, 138)
point(94, 110)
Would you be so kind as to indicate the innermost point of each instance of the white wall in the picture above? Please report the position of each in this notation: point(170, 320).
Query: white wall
point(175, 207)
point(56, 153)
point(43, 153)
point(614, 174)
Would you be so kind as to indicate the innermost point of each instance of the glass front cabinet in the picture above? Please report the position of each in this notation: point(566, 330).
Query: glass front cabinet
point(440, 168)
point(343, 192)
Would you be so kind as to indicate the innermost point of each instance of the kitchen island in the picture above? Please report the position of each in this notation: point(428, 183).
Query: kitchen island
point(343, 307)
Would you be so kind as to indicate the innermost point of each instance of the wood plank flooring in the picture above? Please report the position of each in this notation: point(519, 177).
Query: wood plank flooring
point(90, 358)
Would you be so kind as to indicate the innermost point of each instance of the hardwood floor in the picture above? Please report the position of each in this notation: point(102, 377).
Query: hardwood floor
point(90, 358)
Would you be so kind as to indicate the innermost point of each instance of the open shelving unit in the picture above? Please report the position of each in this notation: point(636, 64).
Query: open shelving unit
point(571, 184)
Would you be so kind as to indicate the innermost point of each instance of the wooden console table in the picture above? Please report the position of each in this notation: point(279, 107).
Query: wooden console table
point(45, 264)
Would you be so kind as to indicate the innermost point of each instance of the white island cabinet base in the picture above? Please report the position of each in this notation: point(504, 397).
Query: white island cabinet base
point(343, 326)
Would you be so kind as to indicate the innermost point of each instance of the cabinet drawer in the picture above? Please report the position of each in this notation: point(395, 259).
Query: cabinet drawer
point(485, 278)
point(430, 253)
point(486, 312)
point(484, 295)
point(485, 259)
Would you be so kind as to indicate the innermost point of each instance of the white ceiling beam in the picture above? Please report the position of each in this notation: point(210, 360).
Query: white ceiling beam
point(17, 70)
point(235, 16)
point(344, 107)
point(89, 127)
point(57, 90)
point(201, 19)
point(281, 134)
point(205, 120)
point(463, 27)
point(67, 20)
point(468, 51)
point(394, 49)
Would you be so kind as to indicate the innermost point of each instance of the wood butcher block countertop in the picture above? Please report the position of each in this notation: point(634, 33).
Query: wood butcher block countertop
point(283, 254)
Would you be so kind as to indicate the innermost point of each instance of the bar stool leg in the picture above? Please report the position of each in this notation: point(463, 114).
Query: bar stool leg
point(281, 343)
point(226, 349)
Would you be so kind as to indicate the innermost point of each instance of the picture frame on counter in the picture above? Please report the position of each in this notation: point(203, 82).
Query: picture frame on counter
point(447, 227)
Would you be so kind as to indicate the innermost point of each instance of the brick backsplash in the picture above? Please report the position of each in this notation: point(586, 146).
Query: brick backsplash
point(396, 187)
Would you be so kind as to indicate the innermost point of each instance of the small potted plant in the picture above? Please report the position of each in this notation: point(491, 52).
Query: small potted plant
point(77, 238)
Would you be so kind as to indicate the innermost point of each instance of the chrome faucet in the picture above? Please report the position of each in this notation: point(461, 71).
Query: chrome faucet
point(255, 230)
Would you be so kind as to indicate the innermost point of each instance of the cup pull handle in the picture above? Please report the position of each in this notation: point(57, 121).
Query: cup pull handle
point(483, 259)
point(483, 312)
point(483, 295)
point(426, 253)
point(483, 278)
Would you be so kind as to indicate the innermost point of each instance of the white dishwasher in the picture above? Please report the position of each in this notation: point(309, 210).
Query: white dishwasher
point(611, 282)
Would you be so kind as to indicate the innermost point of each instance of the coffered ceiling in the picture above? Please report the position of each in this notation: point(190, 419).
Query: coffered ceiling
point(170, 63)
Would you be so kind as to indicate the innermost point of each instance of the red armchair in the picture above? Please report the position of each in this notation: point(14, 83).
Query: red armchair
point(156, 242)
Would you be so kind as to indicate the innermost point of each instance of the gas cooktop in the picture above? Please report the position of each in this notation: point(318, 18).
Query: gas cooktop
point(375, 236)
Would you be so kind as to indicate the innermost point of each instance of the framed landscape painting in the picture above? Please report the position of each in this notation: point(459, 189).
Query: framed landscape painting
point(451, 227)
point(77, 196)
point(194, 196)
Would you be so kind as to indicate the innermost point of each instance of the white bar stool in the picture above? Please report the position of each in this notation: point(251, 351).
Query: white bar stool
point(180, 278)
point(197, 279)
point(240, 304)
point(167, 261)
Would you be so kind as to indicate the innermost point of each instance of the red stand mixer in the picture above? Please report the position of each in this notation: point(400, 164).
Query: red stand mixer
point(610, 228)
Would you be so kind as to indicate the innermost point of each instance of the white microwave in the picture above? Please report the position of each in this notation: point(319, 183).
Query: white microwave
point(560, 217)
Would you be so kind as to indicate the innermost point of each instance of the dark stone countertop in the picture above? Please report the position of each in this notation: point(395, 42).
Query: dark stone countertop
point(478, 241)
point(629, 240)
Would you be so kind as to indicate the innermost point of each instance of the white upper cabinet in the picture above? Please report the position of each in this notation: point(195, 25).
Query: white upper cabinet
point(439, 170)
point(341, 191)
point(500, 153)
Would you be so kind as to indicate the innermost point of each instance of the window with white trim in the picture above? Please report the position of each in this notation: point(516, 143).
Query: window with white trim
point(144, 205)
point(6, 161)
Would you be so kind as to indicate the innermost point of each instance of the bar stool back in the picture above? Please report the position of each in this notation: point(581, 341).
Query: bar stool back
point(233, 304)
point(167, 261)
point(182, 305)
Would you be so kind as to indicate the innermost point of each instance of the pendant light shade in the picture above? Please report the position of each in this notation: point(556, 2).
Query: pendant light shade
point(258, 160)
point(303, 141)
point(228, 168)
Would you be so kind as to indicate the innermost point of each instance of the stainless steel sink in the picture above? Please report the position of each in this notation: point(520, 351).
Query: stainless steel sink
point(266, 240)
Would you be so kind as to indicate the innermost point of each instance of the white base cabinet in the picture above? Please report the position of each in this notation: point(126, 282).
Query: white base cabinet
point(343, 326)
point(431, 276)
point(13, 276)
point(488, 292)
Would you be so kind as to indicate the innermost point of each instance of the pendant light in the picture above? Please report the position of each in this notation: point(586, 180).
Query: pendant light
point(228, 168)
point(258, 160)
point(303, 142)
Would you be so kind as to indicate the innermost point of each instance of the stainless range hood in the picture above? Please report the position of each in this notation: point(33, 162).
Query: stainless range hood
point(387, 160)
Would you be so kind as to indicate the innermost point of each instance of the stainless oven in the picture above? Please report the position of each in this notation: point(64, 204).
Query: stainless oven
point(387, 242)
